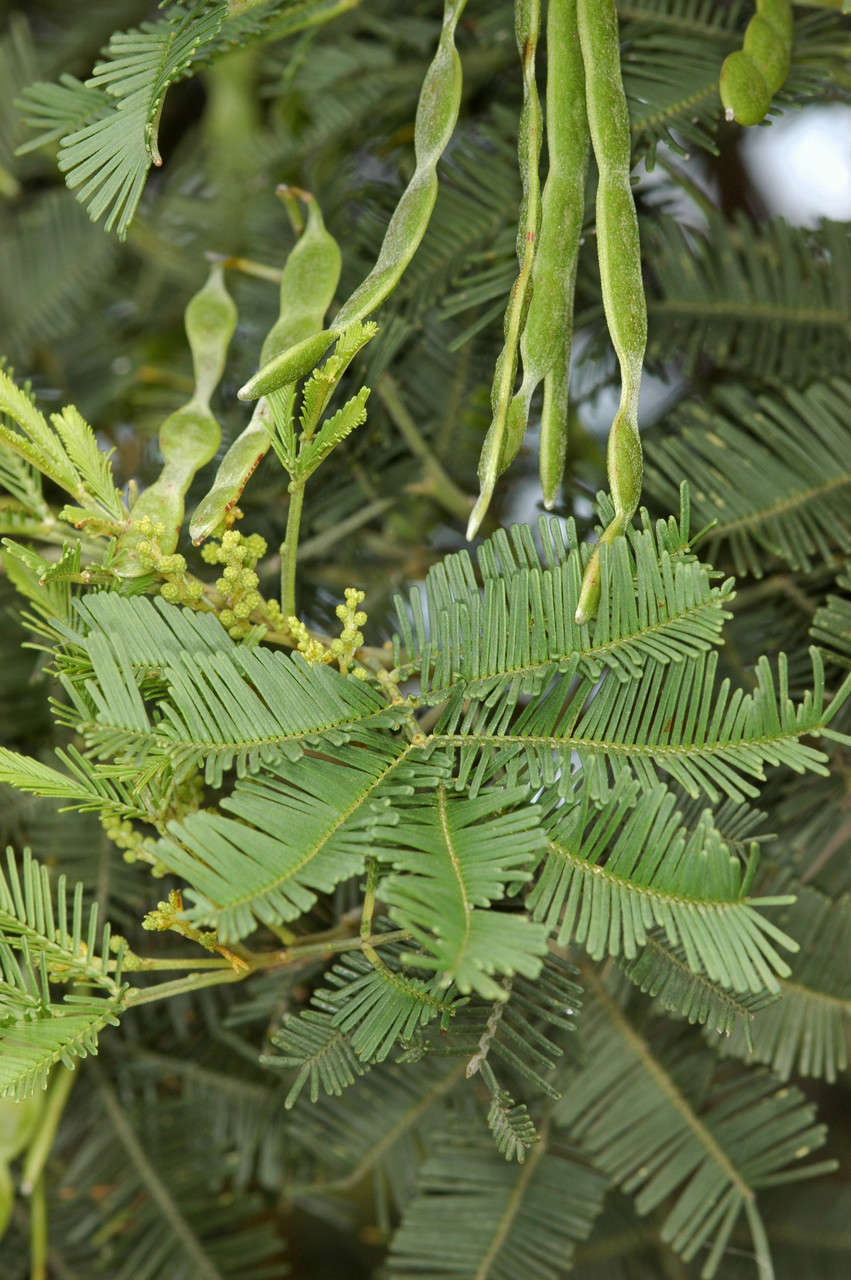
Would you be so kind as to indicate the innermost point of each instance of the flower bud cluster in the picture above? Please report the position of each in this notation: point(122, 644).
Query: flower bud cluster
point(238, 583)
point(123, 834)
point(342, 649)
point(169, 915)
point(179, 587)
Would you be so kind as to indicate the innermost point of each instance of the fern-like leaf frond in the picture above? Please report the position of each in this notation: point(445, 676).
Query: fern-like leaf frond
point(664, 973)
point(772, 470)
point(31, 1047)
point(646, 1114)
point(657, 602)
point(771, 302)
point(295, 831)
point(476, 1217)
point(454, 857)
point(671, 720)
point(106, 160)
point(805, 1030)
point(612, 874)
point(319, 1050)
point(67, 453)
point(376, 1003)
point(45, 940)
point(512, 1127)
point(831, 627)
point(226, 706)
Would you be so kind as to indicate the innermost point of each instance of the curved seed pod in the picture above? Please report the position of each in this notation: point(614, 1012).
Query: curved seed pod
point(308, 283)
point(508, 422)
point(619, 254)
point(294, 362)
point(437, 113)
point(189, 437)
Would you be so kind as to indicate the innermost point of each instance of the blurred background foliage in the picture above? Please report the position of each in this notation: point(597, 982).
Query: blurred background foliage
point(741, 305)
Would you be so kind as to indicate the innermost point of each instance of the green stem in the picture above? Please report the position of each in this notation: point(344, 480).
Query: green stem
point(137, 964)
point(39, 1148)
point(248, 267)
point(192, 982)
point(38, 1232)
point(271, 960)
point(322, 542)
point(289, 548)
point(445, 490)
point(369, 900)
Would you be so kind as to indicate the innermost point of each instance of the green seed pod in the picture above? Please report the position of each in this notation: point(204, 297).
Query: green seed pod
point(545, 342)
point(563, 203)
point(752, 75)
point(210, 319)
point(625, 465)
point(189, 437)
point(744, 93)
point(295, 362)
point(619, 255)
point(308, 283)
point(770, 54)
point(508, 420)
point(437, 113)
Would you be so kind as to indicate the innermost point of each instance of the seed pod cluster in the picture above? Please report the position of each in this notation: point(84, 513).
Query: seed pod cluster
point(752, 75)
point(585, 103)
point(545, 339)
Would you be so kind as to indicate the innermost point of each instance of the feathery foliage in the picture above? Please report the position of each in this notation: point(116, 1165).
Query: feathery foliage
point(43, 942)
point(776, 473)
point(458, 938)
point(649, 1115)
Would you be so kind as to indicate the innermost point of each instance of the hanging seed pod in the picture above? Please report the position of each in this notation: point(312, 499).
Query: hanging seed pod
point(619, 254)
